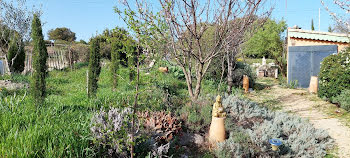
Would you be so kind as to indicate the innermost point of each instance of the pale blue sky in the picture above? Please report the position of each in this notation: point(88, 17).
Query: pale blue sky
point(86, 17)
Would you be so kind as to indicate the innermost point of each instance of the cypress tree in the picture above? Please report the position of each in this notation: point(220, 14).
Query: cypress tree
point(131, 51)
point(312, 25)
point(117, 50)
point(94, 67)
point(16, 50)
point(38, 84)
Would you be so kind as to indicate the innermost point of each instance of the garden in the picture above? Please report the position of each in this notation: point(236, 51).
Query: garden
point(155, 88)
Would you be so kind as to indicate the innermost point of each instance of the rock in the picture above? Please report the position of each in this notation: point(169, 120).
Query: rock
point(186, 139)
point(183, 156)
point(189, 138)
point(152, 63)
point(11, 85)
point(198, 139)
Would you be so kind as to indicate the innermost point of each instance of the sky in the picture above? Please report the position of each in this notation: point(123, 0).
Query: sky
point(90, 17)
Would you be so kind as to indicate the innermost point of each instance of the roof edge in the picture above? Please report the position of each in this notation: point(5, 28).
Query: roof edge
point(318, 32)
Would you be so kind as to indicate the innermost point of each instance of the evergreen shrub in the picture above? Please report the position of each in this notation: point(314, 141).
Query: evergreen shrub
point(17, 54)
point(334, 75)
point(94, 67)
point(343, 99)
point(38, 83)
point(243, 69)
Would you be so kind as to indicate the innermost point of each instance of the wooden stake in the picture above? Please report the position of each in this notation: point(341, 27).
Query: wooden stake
point(87, 82)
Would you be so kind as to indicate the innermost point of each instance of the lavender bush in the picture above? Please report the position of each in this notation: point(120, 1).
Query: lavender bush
point(110, 131)
point(299, 137)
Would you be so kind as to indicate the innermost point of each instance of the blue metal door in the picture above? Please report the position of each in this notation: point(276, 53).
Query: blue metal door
point(304, 62)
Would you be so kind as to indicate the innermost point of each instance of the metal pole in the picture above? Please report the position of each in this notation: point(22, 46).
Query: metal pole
point(319, 19)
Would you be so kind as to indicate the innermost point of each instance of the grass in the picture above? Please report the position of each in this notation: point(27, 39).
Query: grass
point(60, 127)
point(339, 113)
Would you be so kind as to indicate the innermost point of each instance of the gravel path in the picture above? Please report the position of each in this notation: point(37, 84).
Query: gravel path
point(300, 102)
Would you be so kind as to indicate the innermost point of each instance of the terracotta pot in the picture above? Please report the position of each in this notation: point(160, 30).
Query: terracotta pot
point(163, 69)
point(313, 87)
point(217, 131)
point(246, 83)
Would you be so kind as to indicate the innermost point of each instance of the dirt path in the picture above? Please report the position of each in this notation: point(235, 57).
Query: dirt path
point(306, 105)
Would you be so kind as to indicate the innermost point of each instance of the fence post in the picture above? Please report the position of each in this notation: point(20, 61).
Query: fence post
point(87, 82)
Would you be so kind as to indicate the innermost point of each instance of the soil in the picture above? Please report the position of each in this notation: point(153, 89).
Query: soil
point(306, 105)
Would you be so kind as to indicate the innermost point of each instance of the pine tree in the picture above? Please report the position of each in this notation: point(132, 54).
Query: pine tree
point(330, 29)
point(94, 67)
point(16, 51)
point(38, 84)
point(312, 25)
point(117, 50)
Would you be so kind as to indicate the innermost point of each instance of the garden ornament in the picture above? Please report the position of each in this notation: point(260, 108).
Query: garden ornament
point(217, 131)
point(163, 69)
point(218, 110)
point(246, 83)
point(275, 143)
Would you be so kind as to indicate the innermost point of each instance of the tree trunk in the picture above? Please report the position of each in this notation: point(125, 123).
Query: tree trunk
point(199, 80)
point(230, 68)
point(6, 66)
point(188, 82)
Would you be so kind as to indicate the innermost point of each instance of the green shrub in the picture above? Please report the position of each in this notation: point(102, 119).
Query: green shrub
point(300, 138)
point(94, 67)
point(118, 59)
point(334, 75)
point(197, 117)
point(17, 53)
point(293, 84)
point(79, 65)
point(176, 71)
point(343, 99)
point(38, 83)
point(243, 69)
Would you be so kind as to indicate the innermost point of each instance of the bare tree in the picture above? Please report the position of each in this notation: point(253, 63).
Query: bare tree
point(15, 20)
point(186, 23)
point(341, 27)
point(342, 18)
point(242, 31)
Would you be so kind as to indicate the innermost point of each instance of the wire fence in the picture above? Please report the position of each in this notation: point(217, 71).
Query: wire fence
point(58, 58)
